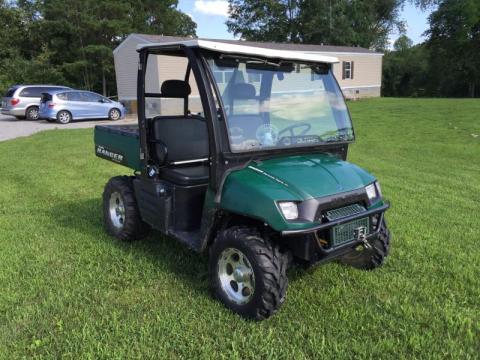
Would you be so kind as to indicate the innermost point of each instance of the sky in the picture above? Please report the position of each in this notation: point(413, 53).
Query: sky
point(210, 16)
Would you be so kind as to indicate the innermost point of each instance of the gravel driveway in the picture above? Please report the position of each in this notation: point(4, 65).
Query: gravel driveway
point(11, 128)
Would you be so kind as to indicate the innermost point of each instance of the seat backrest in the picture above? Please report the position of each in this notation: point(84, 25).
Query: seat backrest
point(186, 138)
point(175, 89)
point(243, 91)
point(247, 122)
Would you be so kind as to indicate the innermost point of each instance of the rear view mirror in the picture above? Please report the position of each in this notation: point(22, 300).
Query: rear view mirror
point(321, 69)
point(226, 63)
point(262, 66)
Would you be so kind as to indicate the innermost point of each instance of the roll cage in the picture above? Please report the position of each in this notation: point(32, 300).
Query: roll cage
point(221, 160)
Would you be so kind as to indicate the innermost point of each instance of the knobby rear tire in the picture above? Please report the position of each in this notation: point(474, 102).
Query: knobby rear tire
point(134, 228)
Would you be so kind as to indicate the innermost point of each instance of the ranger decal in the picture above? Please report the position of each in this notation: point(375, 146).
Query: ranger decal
point(108, 154)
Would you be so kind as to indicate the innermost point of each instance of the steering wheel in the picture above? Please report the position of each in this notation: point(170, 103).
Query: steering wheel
point(291, 127)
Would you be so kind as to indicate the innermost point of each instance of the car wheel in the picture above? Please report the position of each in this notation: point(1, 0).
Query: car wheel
point(248, 273)
point(32, 113)
point(64, 117)
point(372, 257)
point(114, 114)
point(120, 211)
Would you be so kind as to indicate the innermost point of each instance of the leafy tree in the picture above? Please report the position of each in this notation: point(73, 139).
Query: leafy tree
point(160, 17)
point(71, 42)
point(11, 28)
point(267, 20)
point(82, 36)
point(364, 23)
point(350, 22)
point(454, 45)
point(403, 43)
point(405, 69)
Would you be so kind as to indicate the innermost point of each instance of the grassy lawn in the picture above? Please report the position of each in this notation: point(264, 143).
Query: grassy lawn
point(68, 290)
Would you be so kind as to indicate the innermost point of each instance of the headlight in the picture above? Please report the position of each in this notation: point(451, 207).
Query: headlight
point(374, 192)
point(379, 190)
point(371, 192)
point(289, 210)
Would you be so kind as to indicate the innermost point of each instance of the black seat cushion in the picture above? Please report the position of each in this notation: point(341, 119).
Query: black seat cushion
point(186, 175)
point(186, 138)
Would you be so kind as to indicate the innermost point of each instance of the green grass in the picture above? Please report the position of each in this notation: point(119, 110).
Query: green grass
point(68, 290)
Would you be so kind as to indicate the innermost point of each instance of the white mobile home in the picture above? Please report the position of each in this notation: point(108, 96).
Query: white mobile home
point(359, 71)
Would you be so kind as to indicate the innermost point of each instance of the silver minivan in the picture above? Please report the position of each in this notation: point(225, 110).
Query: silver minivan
point(23, 101)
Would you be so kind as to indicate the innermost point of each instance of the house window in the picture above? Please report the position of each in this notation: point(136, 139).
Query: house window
point(347, 72)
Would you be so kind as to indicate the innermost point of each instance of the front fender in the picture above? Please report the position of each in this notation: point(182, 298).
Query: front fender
point(250, 193)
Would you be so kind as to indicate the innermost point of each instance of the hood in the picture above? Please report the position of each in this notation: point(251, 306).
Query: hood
point(312, 176)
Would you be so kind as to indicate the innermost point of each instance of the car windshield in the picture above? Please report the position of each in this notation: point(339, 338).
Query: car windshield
point(280, 105)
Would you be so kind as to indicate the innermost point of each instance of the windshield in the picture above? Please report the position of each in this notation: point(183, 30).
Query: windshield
point(280, 105)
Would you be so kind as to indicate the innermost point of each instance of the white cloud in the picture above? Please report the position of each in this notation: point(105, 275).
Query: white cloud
point(212, 7)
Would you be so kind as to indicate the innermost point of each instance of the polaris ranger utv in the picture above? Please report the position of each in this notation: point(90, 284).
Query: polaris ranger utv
point(249, 166)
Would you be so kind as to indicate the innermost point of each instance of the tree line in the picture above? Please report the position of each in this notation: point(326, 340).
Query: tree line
point(446, 64)
point(70, 42)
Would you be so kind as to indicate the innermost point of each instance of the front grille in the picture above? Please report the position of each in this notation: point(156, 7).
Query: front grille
point(344, 212)
point(346, 232)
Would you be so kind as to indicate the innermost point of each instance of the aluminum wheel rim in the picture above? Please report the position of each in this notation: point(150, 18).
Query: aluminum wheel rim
point(236, 276)
point(33, 114)
point(64, 117)
point(117, 210)
point(115, 114)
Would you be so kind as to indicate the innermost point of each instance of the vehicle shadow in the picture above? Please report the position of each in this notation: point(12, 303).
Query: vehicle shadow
point(162, 251)
point(85, 216)
point(101, 121)
point(8, 118)
point(74, 121)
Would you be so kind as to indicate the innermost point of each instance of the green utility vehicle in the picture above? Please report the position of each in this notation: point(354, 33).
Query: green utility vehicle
point(241, 152)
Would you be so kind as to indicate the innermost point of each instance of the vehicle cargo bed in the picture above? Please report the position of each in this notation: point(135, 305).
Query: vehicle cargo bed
point(118, 143)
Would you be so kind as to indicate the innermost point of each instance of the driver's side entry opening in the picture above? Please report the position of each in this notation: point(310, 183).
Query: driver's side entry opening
point(178, 142)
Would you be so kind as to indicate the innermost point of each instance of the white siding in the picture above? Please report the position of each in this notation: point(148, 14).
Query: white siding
point(159, 69)
point(366, 80)
point(126, 67)
point(367, 75)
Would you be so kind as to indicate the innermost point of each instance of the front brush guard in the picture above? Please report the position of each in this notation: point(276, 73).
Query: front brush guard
point(379, 210)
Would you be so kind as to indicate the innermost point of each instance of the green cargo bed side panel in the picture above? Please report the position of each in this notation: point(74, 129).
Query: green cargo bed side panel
point(119, 144)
